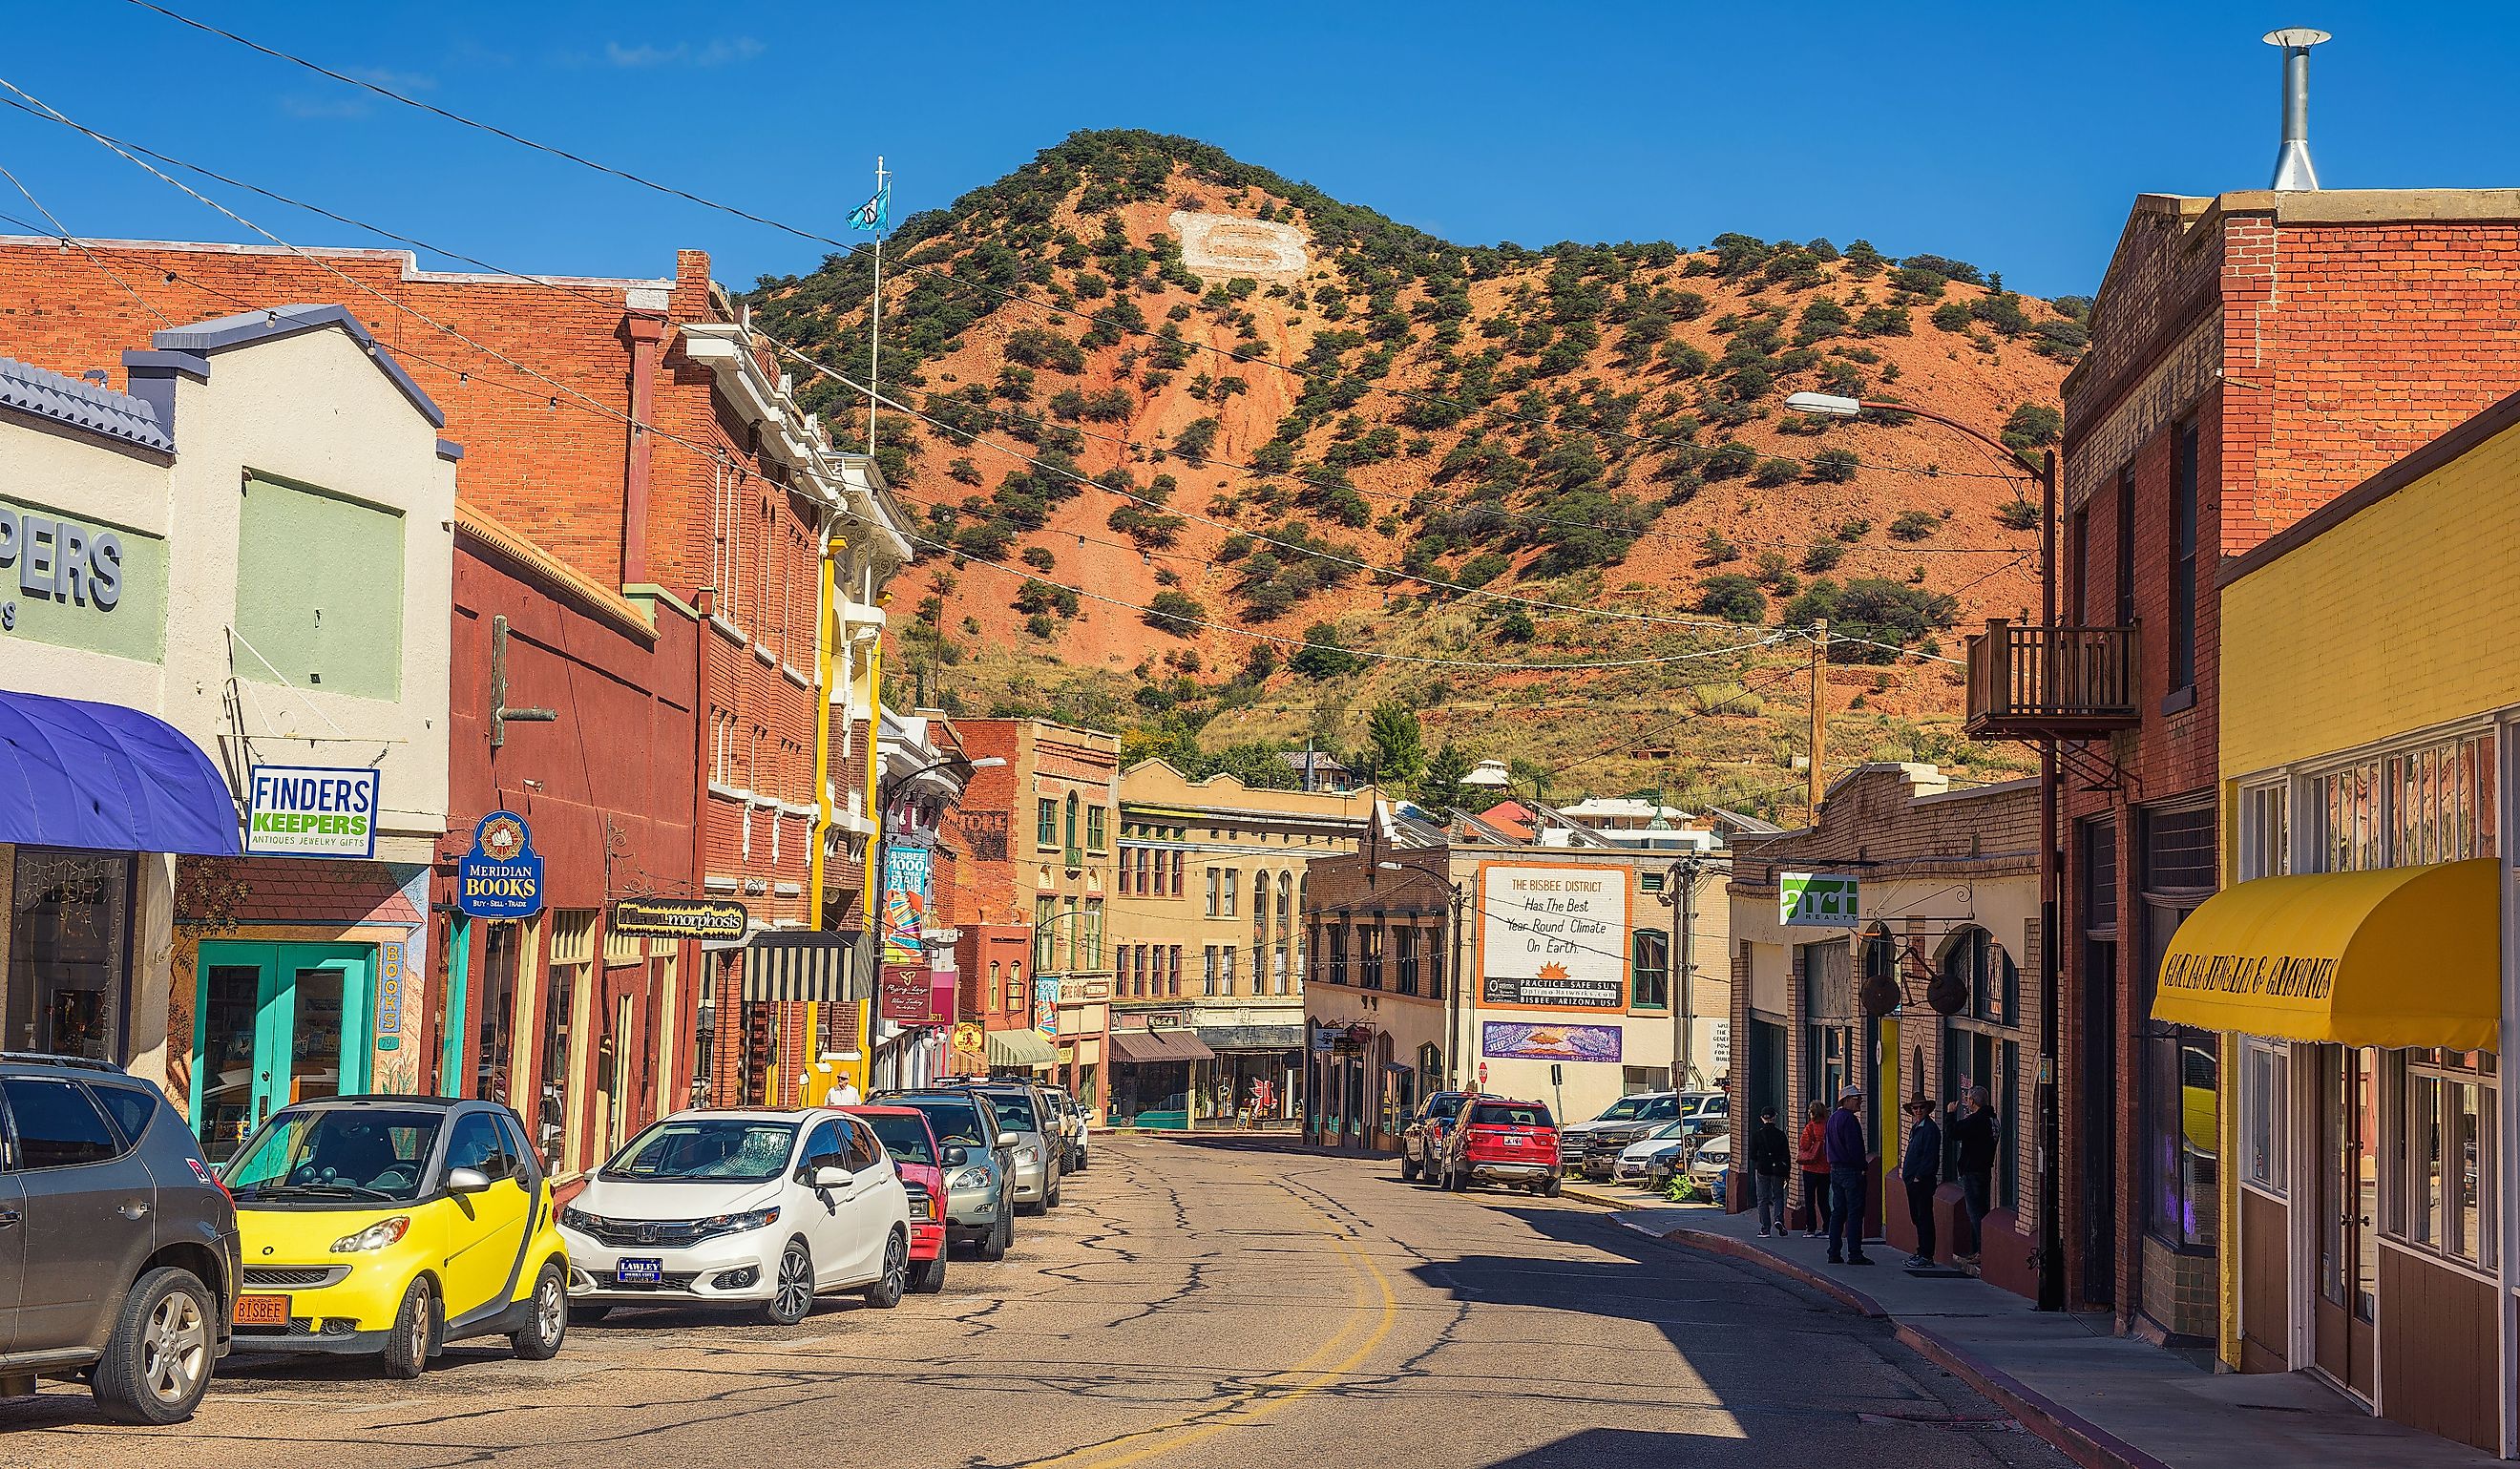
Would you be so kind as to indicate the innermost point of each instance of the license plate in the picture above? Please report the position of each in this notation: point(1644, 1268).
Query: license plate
point(639, 1272)
point(1512, 1141)
point(262, 1311)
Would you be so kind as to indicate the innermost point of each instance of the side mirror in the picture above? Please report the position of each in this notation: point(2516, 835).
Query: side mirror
point(827, 1176)
point(957, 1155)
point(467, 1180)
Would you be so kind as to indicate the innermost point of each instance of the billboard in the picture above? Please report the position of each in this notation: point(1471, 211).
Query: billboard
point(1553, 937)
point(1515, 1040)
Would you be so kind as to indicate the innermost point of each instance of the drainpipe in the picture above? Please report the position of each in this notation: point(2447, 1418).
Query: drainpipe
point(647, 338)
point(704, 1068)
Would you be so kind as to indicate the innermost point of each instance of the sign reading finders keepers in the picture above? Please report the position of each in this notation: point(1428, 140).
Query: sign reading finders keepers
point(311, 810)
point(1554, 937)
point(1816, 900)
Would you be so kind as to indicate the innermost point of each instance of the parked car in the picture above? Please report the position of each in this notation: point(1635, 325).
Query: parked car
point(129, 1261)
point(765, 1209)
point(1643, 1107)
point(392, 1226)
point(1024, 1117)
point(1073, 1125)
point(921, 1160)
point(1637, 1157)
point(979, 1168)
point(1503, 1142)
point(1421, 1143)
point(1707, 1165)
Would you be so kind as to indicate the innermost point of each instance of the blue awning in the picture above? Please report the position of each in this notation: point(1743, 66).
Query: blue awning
point(74, 773)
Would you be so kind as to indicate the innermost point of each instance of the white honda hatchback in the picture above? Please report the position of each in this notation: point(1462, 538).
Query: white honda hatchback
point(761, 1209)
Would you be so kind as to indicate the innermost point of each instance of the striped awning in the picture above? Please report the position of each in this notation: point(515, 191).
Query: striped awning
point(1020, 1049)
point(805, 963)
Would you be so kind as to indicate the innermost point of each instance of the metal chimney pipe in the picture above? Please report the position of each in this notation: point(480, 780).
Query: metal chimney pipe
point(2293, 170)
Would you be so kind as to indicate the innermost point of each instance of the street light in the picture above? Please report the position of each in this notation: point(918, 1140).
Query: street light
point(2052, 1238)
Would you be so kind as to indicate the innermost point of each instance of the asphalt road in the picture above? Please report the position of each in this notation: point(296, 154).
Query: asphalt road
point(1189, 1304)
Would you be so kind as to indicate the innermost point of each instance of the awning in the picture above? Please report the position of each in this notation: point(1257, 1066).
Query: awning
point(1022, 1049)
point(1252, 1037)
point(74, 773)
point(808, 964)
point(1145, 1045)
point(2404, 957)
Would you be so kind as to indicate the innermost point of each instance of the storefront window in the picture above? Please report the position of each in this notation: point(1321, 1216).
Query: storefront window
point(2266, 1102)
point(2443, 1200)
point(70, 935)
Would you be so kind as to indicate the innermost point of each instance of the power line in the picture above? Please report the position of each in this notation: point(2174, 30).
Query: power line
point(61, 232)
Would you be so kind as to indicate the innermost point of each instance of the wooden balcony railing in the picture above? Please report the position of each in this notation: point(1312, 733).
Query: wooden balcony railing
point(2031, 682)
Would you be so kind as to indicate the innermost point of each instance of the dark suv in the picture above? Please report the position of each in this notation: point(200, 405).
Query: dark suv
point(119, 1254)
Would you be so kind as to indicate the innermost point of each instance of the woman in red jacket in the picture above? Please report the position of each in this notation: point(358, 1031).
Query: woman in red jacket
point(1812, 1158)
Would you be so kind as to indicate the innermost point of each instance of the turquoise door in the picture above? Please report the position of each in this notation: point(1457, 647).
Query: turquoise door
point(274, 1024)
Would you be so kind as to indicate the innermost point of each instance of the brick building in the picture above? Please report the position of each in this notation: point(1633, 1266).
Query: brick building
point(635, 430)
point(2253, 355)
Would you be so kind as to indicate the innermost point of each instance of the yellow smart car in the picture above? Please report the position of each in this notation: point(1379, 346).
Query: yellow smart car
point(392, 1225)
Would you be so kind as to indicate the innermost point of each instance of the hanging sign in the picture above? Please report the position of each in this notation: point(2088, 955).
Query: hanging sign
point(901, 994)
point(1045, 1005)
point(970, 1039)
point(502, 876)
point(680, 918)
point(390, 983)
point(905, 903)
point(1816, 900)
point(311, 810)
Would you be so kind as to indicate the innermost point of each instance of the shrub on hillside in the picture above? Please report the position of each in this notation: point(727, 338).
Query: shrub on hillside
point(1041, 347)
point(1824, 555)
point(1951, 316)
point(1884, 321)
point(2019, 514)
point(1915, 525)
point(1730, 460)
point(1734, 598)
point(1716, 549)
point(2033, 425)
point(1323, 655)
point(1776, 472)
point(1834, 466)
point(1174, 613)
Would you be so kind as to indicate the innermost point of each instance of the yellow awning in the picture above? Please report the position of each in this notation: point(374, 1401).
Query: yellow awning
point(1020, 1050)
point(2405, 957)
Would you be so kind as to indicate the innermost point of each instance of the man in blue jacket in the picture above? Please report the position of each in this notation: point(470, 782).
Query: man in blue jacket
point(1920, 1167)
point(1848, 1170)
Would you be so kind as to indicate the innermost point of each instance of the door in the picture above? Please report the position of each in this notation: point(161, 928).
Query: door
point(87, 1205)
point(486, 1231)
point(13, 1256)
point(830, 1219)
point(275, 1024)
point(2099, 1129)
point(2345, 1310)
point(868, 1211)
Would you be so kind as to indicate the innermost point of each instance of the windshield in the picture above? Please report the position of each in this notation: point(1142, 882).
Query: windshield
point(955, 1120)
point(1014, 1109)
point(1622, 1109)
point(1445, 1108)
point(336, 1153)
point(1680, 1129)
point(1661, 1108)
point(1511, 1115)
point(706, 1149)
point(905, 1138)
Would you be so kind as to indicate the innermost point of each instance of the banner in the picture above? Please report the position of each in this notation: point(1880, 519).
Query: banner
point(1045, 1005)
point(905, 904)
point(1554, 937)
point(1512, 1041)
point(1816, 900)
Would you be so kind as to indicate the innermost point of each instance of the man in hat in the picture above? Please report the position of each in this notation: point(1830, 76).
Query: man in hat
point(1920, 1167)
point(1850, 1163)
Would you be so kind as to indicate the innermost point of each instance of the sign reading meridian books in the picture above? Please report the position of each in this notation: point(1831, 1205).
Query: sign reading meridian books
point(502, 876)
point(1554, 937)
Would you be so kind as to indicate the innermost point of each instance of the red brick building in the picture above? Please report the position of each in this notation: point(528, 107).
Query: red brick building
point(2253, 355)
point(635, 430)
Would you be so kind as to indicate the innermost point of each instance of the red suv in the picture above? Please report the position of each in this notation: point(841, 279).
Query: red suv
point(1503, 1141)
point(906, 1135)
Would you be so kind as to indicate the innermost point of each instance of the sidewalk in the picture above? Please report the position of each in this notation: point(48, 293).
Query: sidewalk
point(2108, 1401)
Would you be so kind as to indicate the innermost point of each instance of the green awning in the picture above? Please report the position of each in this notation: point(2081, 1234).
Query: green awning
point(1024, 1049)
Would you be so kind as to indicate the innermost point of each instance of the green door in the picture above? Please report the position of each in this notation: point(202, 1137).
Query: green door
point(276, 1023)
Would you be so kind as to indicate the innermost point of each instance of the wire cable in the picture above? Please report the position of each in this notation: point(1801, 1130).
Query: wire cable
point(61, 232)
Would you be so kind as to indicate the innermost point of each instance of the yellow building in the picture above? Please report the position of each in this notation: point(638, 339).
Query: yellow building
point(1208, 951)
point(2353, 962)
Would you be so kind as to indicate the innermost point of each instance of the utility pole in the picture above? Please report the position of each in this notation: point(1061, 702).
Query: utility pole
point(1683, 937)
point(874, 310)
point(1818, 713)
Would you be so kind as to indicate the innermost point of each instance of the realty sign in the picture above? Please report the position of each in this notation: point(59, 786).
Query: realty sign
point(502, 876)
point(311, 811)
point(1816, 900)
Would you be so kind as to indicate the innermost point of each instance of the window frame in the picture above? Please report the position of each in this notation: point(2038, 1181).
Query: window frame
point(2186, 528)
point(2266, 1116)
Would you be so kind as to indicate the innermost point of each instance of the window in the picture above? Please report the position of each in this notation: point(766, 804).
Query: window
point(564, 981)
point(2183, 557)
point(330, 622)
point(1337, 947)
point(994, 991)
point(1172, 972)
point(1069, 932)
point(1096, 838)
point(1434, 968)
point(1045, 932)
point(1407, 940)
point(1233, 890)
point(1207, 972)
point(2431, 802)
point(1286, 905)
point(1018, 994)
point(475, 1143)
point(68, 928)
point(2265, 836)
point(1225, 972)
point(2445, 1199)
point(2125, 587)
point(2079, 565)
point(58, 1125)
point(1215, 887)
point(1044, 832)
point(1073, 804)
point(1092, 937)
point(1370, 939)
point(1177, 874)
point(131, 1107)
point(2266, 1107)
point(1652, 966)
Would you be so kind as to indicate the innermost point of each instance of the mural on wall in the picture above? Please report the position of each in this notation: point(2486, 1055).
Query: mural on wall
point(1513, 1041)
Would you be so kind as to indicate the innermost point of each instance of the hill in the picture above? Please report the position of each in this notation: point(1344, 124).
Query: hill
point(1161, 395)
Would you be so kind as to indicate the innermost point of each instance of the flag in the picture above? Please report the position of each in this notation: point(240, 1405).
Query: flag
point(875, 213)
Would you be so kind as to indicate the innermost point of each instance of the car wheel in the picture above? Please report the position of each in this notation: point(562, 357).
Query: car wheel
point(994, 1245)
point(791, 1293)
point(1408, 1170)
point(928, 1279)
point(156, 1364)
point(541, 1338)
point(414, 1333)
point(885, 1293)
point(590, 1314)
point(1056, 1184)
point(1551, 1189)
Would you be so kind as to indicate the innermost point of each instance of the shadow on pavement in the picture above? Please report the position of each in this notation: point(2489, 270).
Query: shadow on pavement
point(1637, 1448)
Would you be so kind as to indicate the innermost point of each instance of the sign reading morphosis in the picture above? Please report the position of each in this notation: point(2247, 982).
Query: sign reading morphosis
point(502, 876)
point(1554, 937)
point(311, 810)
point(1816, 900)
point(680, 918)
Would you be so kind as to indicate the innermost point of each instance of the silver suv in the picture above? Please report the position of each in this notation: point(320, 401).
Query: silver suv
point(118, 1255)
point(1025, 1120)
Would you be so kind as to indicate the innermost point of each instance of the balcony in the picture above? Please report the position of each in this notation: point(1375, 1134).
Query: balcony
point(2060, 682)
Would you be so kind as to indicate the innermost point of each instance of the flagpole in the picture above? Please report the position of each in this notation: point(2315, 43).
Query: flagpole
point(875, 315)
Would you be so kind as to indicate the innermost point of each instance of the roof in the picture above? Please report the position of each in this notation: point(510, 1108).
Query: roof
point(272, 323)
point(1622, 806)
point(84, 406)
point(1742, 820)
point(474, 525)
point(1319, 761)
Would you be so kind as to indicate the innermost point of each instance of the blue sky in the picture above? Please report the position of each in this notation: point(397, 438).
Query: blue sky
point(2009, 135)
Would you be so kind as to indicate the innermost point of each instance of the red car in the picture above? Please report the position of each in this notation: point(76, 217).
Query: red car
point(1500, 1140)
point(906, 1135)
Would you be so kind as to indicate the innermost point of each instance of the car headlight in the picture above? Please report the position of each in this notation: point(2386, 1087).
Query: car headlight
point(738, 1223)
point(377, 1237)
point(579, 1220)
point(1027, 1155)
point(971, 1178)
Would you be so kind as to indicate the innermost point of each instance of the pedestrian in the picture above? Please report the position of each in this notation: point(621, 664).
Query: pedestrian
point(845, 1094)
point(1849, 1168)
point(1772, 1163)
point(1265, 1099)
point(1974, 1131)
point(1812, 1155)
point(1920, 1167)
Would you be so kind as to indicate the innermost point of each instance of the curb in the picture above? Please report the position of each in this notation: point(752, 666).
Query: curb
point(2077, 1437)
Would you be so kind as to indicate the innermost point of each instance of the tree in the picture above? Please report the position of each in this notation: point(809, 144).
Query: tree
point(1440, 790)
point(1399, 744)
point(1174, 613)
point(1734, 598)
point(2033, 425)
point(1834, 466)
point(1776, 472)
point(1915, 525)
point(2019, 514)
point(1323, 655)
